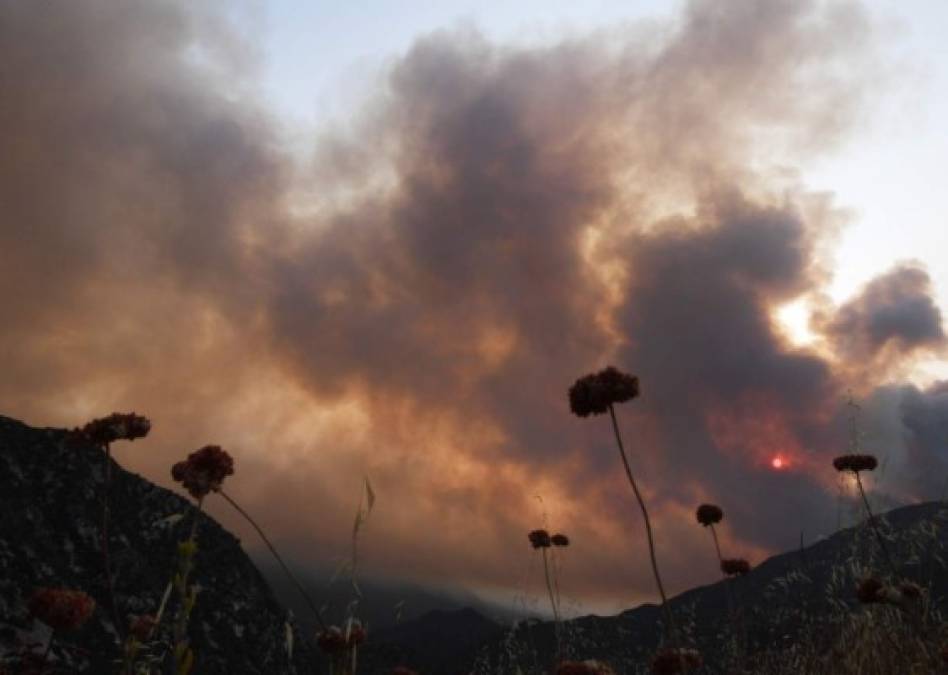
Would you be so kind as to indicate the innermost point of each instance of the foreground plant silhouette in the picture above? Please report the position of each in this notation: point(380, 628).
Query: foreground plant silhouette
point(596, 394)
point(855, 463)
point(708, 515)
point(201, 473)
point(102, 432)
point(286, 570)
point(541, 539)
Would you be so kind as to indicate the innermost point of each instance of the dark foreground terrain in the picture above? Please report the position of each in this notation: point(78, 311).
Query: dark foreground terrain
point(793, 613)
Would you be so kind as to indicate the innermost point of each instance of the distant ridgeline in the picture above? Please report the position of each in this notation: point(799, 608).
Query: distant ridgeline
point(49, 537)
point(792, 601)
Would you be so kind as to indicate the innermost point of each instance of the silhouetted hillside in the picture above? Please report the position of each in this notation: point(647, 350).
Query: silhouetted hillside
point(49, 536)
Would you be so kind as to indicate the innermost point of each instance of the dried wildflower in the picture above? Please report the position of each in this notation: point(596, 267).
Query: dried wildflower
point(583, 668)
point(593, 394)
point(709, 514)
point(870, 590)
point(944, 653)
point(115, 427)
point(855, 463)
point(141, 627)
point(540, 539)
point(735, 566)
point(331, 640)
point(669, 661)
point(204, 470)
point(559, 540)
point(60, 608)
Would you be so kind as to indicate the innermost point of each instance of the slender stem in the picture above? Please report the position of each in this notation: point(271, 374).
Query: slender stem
point(717, 548)
point(106, 560)
point(557, 568)
point(727, 583)
point(286, 570)
point(549, 585)
point(556, 614)
point(183, 615)
point(648, 526)
point(874, 525)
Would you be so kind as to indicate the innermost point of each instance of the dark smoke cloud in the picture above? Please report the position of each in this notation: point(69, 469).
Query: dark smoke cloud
point(893, 317)
point(502, 221)
point(907, 425)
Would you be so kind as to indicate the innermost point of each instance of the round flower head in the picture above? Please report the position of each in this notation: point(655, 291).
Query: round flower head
point(115, 427)
point(204, 470)
point(855, 463)
point(331, 640)
point(61, 609)
point(709, 514)
point(559, 540)
point(670, 661)
point(593, 394)
point(735, 566)
point(539, 539)
point(583, 668)
point(870, 590)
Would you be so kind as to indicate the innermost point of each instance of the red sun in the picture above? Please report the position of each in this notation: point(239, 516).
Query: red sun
point(778, 462)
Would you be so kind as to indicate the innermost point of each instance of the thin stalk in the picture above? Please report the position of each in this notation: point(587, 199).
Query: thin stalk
point(727, 583)
point(717, 548)
point(106, 559)
point(874, 525)
point(556, 614)
point(185, 565)
point(276, 555)
point(549, 585)
point(648, 527)
point(557, 569)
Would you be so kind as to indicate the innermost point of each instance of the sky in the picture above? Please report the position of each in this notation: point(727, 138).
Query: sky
point(385, 242)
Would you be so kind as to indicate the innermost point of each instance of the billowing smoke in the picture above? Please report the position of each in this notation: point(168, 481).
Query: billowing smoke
point(501, 221)
point(892, 317)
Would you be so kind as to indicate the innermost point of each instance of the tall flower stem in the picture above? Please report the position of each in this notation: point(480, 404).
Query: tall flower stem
point(556, 613)
point(286, 570)
point(183, 655)
point(727, 588)
point(874, 525)
point(106, 560)
point(648, 527)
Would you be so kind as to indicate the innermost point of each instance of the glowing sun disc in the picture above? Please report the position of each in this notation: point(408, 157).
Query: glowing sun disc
point(777, 463)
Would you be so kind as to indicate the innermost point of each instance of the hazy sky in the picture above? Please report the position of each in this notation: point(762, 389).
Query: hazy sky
point(386, 242)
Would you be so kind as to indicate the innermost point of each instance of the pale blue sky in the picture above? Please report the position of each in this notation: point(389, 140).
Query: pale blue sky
point(323, 58)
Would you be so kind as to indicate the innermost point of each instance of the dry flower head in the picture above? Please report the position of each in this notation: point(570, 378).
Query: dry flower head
point(60, 608)
point(709, 514)
point(593, 394)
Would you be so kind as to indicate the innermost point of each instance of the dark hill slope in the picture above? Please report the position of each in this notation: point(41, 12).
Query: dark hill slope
point(49, 536)
point(789, 603)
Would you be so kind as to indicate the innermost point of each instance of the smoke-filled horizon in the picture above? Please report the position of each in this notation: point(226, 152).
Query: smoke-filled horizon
point(412, 302)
